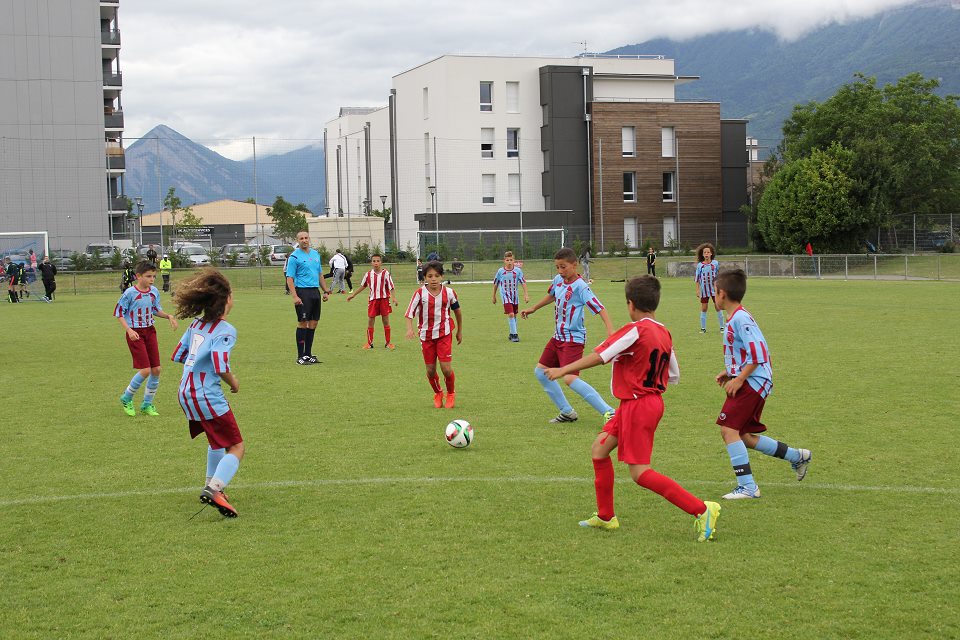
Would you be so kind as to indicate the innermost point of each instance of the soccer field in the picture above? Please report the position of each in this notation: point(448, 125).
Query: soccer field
point(358, 520)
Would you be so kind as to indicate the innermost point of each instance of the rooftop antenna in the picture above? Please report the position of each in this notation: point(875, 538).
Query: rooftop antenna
point(583, 43)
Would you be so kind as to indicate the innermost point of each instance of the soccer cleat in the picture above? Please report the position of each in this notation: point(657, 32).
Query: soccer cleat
point(706, 522)
point(368, 346)
point(514, 337)
point(742, 493)
point(595, 522)
point(128, 407)
point(390, 346)
point(313, 359)
point(608, 415)
point(149, 410)
point(438, 400)
point(450, 397)
point(703, 330)
point(303, 360)
point(218, 500)
point(565, 417)
point(800, 466)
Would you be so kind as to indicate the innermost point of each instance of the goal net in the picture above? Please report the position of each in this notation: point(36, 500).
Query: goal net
point(17, 247)
point(489, 244)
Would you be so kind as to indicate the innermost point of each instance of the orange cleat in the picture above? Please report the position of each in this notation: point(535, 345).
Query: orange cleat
point(367, 346)
point(438, 400)
point(450, 398)
point(390, 346)
point(218, 500)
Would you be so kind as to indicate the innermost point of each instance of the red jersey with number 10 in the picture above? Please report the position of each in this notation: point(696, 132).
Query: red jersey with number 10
point(643, 359)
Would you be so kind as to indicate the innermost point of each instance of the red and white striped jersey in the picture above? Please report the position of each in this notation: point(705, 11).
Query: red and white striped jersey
point(381, 284)
point(433, 311)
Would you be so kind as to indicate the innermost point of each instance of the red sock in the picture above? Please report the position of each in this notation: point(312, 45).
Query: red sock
point(603, 483)
point(669, 489)
point(369, 335)
point(450, 381)
point(386, 334)
point(434, 383)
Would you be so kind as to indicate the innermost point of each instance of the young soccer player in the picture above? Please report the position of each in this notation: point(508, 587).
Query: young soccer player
point(571, 294)
point(433, 303)
point(205, 351)
point(747, 380)
point(135, 311)
point(706, 275)
point(508, 279)
point(643, 364)
point(381, 296)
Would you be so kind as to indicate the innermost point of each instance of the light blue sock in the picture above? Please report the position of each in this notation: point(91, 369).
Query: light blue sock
point(152, 383)
point(590, 394)
point(135, 383)
point(777, 449)
point(225, 471)
point(554, 391)
point(721, 320)
point(214, 456)
point(741, 465)
point(703, 320)
point(513, 324)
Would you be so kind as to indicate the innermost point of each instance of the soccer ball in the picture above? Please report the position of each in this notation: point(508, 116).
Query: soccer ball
point(459, 434)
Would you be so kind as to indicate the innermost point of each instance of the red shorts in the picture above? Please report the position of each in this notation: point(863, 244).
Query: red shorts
point(437, 349)
point(510, 307)
point(705, 299)
point(742, 411)
point(222, 432)
point(378, 307)
point(145, 352)
point(634, 425)
point(558, 353)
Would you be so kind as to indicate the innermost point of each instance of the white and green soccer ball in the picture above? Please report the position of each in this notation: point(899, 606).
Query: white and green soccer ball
point(459, 434)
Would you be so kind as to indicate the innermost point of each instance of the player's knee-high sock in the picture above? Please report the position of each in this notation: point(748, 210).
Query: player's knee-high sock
point(369, 335)
point(214, 456)
point(703, 320)
point(434, 383)
point(669, 489)
point(588, 393)
point(603, 485)
point(152, 383)
point(450, 381)
point(721, 320)
point(225, 471)
point(135, 383)
point(300, 339)
point(554, 390)
point(12, 295)
point(513, 324)
point(386, 335)
point(741, 465)
point(308, 341)
point(777, 449)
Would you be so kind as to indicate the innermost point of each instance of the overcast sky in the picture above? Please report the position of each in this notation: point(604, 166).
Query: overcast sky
point(217, 70)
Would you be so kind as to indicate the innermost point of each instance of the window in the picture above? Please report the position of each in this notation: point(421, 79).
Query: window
point(669, 187)
point(513, 143)
point(630, 187)
point(488, 185)
point(667, 142)
point(628, 137)
point(486, 143)
point(426, 103)
point(630, 232)
point(513, 97)
point(513, 189)
point(486, 96)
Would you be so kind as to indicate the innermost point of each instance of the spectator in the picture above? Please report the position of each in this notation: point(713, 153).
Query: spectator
point(48, 273)
point(152, 254)
point(339, 264)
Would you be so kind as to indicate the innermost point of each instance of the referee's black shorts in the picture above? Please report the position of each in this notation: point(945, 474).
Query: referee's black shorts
point(309, 309)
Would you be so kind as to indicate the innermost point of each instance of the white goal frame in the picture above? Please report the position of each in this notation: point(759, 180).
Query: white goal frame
point(428, 237)
point(42, 234)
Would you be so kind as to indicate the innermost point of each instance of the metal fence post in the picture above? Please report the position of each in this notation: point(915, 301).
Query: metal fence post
point(905, 263)
point(874, 266)
point(914, 234)
point(793, 265)
point(938, 266)
point(846, 267)
point(74, 283)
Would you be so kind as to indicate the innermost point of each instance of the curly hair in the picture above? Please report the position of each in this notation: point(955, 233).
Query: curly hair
point(706, 245)
point(203, 294)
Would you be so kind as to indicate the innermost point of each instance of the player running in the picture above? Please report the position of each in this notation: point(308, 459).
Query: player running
point(508, 280)
point(433, 303)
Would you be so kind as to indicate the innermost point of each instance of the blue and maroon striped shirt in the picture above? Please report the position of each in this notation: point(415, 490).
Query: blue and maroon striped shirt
point(204, 351)
point(571, 299)
point(138, 307)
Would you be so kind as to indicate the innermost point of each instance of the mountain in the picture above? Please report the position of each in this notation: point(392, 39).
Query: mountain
point(756, 76)
point(202, 175)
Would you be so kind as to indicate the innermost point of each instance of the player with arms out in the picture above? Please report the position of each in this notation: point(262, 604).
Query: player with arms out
point(205, 350)
point(509, 278)
point(432, 304)
point(705, 277)
point(381, 297)
point(747, 380)
point(643, 364)
point(572, 295)
point(135, 311)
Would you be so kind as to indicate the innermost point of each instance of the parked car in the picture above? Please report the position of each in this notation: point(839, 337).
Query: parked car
point(279, 253)
point(197, 254)
point(246, 253)
point(62, 259)
point(104, 249)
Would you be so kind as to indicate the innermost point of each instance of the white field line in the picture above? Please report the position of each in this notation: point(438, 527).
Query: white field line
point(332, 482)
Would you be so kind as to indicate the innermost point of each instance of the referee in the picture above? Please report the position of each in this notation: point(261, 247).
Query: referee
point(303, 277)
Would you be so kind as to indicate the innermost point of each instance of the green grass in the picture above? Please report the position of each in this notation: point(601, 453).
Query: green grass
point(357, 520)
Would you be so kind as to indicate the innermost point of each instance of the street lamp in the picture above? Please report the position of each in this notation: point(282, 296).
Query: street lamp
point(383, 212)
point(139, 201)
point(436, 215)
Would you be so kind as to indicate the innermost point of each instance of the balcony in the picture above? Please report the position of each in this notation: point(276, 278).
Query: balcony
point(112, 119)
point(111, 79)
point(118, 205)
point(116, 162)
point(110, 37)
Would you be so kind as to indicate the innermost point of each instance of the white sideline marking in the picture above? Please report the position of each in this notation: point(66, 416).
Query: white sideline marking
point(324, 482)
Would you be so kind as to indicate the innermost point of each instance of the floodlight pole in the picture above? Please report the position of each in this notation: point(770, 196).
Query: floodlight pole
point(139, 201)
point(383, 210)
point(436, 216)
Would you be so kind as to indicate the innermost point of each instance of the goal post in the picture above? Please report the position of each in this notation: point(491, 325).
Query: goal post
point(19, 243)
point(489, 244)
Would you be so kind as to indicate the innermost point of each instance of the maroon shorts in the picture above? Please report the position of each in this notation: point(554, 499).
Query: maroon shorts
point(705, 299)
point(222, 432)
point(378, 307)
point(634, 425)
point(742, 411)
point(437, 349)
point(510, 307)
point(145, 352)
point(558, 353)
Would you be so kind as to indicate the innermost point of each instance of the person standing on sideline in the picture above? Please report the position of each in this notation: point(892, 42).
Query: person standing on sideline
point(585, 263)
point(651, 262)
point(339, 265)
point(706, 275)
point(381, 296)
point(33, 260)
point(48, 273)
point(165, 268)
point(305, 280)
point(152, 254)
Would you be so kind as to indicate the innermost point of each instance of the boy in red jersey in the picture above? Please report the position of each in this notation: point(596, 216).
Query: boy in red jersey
point(434, 302)
point(381, 297)
point(643, 364)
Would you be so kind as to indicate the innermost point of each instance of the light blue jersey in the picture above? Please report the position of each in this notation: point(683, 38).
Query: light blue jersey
point(744, 344)
point(204, 351)
point(304, 268)
point(571, 299)
point(509, 282)
point(138, 307)
point(705, 277)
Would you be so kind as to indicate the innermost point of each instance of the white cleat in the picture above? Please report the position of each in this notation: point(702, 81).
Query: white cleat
point(800, 466)
point(742, 493)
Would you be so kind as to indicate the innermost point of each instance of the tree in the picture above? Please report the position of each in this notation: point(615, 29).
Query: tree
point(188, 221)
point(287, 219)
point(382, 213)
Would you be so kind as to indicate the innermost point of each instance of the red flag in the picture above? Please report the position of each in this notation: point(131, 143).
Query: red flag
point(809, 249)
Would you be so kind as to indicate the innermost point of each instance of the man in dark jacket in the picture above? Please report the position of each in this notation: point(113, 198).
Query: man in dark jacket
point(48, 273)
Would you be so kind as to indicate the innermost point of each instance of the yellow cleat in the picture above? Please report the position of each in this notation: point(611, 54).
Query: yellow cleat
point(595, 522)
point(706, 522)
